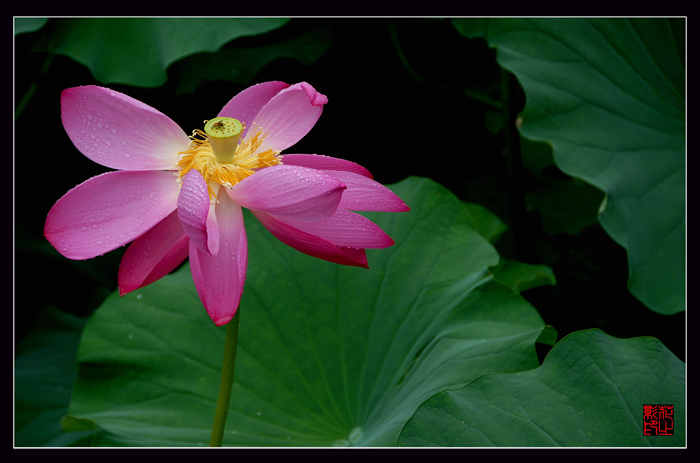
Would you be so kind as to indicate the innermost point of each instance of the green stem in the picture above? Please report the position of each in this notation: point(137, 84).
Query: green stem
point(230, 347)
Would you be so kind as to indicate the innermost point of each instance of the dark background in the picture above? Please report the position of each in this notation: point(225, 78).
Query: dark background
point(426, 100)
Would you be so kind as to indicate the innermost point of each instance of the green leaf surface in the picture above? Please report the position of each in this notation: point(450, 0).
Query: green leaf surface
point(520, 276)
point(137, 51)
point(589, 392)
point(328, 355)
point(44, 376)
point(241, 64)
point(609, 94)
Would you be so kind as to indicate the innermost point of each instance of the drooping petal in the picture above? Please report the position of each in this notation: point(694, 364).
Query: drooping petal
point(153, 255)
point(219, 279)
point(344, 228)
point(364, 194)
point(299, 192)
point(120, 132)
point(311, 244)
point(248, 103)
point(323, 162)
point(108, 211)
point(196, 213)
point(289, 115)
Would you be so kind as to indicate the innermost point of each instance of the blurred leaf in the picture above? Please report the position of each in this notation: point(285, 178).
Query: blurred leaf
point(471, 27)
point(137, 51)
point(487, 223)
point(519, 276)
point(548, 336)
point(609, 94)
point(241, 64)
point(565, 204)
point(328, 355)
point(28, 24)
point(44, 376)
point(589, 392)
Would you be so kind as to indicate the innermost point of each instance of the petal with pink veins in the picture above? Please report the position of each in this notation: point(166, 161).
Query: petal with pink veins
point(248, 103)
point(196, 213)
point(323, 162)
point(344, 228)
point(219, 279)
point(120, 132)
point(364, 194)
point(289, 116)
point(311, 244)
point(153, 255)
point(109, 210)
point(292, 191)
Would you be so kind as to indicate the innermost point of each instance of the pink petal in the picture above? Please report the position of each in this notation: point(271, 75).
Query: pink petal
point(344, 228)
point(248, 103)
point(299, 192)
point(108, 211)
point(322, 162)
point(120, 132)
point(290, 115)
point(153, 255)
point(310, 244)
point(219, 279)
point(364, 194)
point(196, 213)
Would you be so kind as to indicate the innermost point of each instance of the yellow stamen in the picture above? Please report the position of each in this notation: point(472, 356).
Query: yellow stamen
point(246, 160)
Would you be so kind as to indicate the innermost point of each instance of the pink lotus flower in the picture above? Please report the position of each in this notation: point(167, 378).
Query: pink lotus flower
point(175, 195)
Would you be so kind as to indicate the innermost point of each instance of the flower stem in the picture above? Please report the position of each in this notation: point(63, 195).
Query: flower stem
point(230, 347)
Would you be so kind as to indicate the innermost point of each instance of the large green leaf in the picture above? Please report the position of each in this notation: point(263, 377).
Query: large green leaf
point(137, 51)
point(589, 392)
point(328, 355)
point(44, 376)
point(609, 94)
